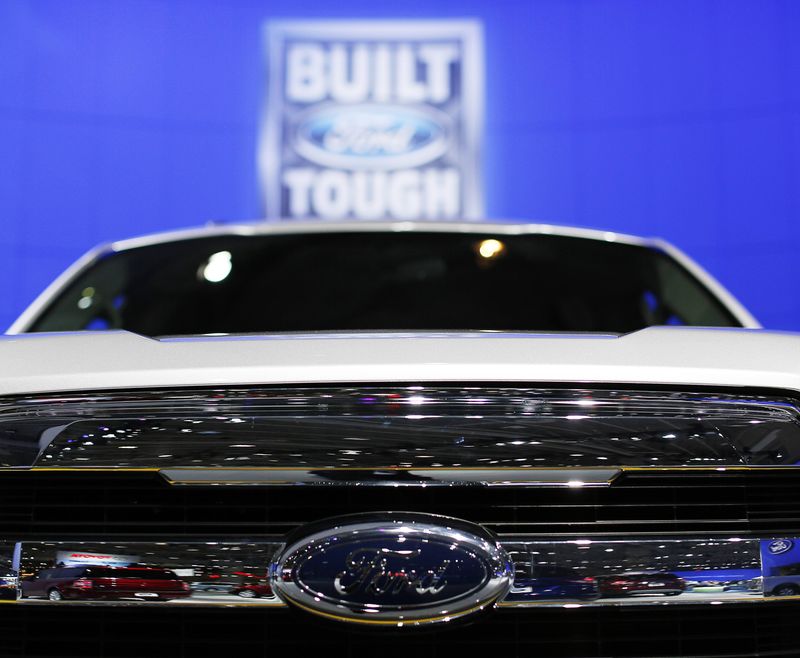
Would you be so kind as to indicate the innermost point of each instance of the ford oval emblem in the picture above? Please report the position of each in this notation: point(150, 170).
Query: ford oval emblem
point(370, 136)
point(780, 546)
point(400, 570)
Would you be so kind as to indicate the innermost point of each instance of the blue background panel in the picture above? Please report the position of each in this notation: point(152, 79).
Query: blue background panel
point(678, 118)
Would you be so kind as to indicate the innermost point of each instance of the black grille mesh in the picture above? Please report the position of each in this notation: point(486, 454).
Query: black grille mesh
point(95, 505)
point(766, 629)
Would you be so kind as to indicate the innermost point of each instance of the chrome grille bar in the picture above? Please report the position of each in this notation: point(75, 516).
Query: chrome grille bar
point(393, 477)
point(562, 572)
point(398, 427)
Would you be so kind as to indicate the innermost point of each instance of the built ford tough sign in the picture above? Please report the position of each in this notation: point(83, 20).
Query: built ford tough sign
point(429, 438)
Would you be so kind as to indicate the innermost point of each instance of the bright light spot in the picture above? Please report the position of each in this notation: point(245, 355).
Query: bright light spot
point(86, 298)
point(218, 267)
point(491, 248)
point(575, 483)
point(416, 399)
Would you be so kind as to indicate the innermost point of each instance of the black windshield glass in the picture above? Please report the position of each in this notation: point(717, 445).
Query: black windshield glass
point(383, 281)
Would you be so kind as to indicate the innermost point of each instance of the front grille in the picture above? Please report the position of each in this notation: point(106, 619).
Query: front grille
point(698, 480)
point(45, 504)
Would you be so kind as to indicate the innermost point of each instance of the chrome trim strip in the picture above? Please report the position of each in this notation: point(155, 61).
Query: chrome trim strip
point(729, 600)
point(521, 477)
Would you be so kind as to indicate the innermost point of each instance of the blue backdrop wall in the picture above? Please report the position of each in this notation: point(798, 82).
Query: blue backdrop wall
point(676, 118)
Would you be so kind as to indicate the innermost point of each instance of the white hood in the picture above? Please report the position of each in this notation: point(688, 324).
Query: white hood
point(40, 363)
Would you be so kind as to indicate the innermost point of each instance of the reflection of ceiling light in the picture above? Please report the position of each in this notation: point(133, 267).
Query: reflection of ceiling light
point(218, 267)
point(86, 298)
point(490, 248)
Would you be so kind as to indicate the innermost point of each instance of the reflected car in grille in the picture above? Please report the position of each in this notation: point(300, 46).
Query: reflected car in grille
point(212, 587)
point(782, 581)
point(252, 590)
point(553, 583)
point(110, 583)
point(418, 439)
point(8, 585)
point(633, 584)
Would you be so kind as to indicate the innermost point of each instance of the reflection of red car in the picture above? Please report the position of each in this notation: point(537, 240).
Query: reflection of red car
point(146, 583)
point(253, 590)
point(630, 584)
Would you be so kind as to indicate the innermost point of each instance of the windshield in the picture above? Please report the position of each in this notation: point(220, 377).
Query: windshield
point(382, 281)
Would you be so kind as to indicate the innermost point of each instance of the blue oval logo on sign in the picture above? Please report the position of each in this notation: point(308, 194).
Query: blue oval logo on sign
point(780, 546)
point(372, 136)
point(394, 572)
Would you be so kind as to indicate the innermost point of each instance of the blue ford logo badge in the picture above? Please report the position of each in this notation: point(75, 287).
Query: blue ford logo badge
point(404, 570)
point(372, 136)
point(780, 546)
